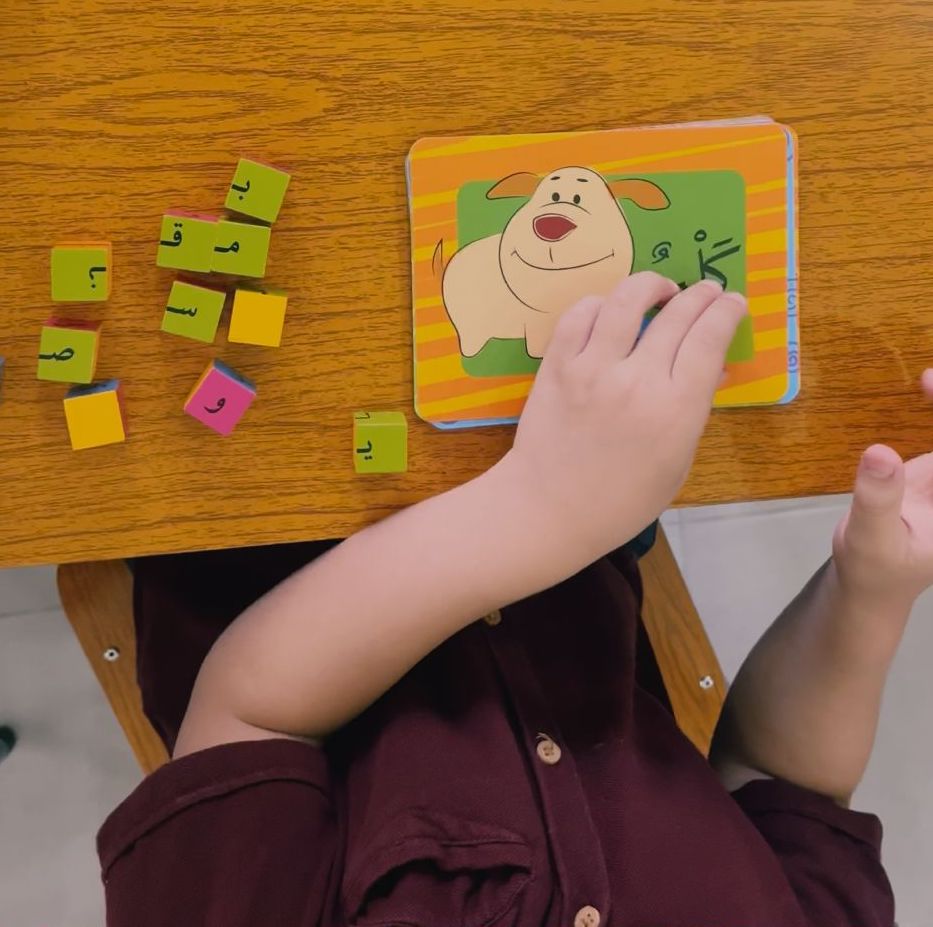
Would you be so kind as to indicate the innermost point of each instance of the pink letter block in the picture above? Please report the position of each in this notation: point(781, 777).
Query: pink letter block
point(220, 398)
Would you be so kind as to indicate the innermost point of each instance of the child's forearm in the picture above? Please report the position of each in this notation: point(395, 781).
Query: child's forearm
point(319, 648)
point(805, 704)
point(604, 443)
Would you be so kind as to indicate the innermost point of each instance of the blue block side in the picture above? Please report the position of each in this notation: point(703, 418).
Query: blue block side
point(230, 372)
point(104, 387)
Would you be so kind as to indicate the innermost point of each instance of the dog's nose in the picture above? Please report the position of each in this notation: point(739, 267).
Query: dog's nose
point(552, 227)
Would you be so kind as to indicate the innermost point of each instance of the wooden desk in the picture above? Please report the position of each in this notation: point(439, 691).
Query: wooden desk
point(113, 113)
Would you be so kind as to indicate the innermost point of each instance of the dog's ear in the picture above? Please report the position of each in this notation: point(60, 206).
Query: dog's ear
point(521, 184)
point(642, 193)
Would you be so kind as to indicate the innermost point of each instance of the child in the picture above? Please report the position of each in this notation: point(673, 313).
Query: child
point(452, 717)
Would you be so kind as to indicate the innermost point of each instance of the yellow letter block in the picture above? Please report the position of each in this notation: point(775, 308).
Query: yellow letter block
point(94, 415)
point(258, 317)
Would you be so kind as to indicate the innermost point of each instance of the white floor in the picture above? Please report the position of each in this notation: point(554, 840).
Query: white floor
point(69, 769)
point(742, 564)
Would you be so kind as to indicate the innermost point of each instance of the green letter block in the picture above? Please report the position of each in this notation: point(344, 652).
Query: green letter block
point(81, 271)
point(187, 241)
point(68, 351)
point(241, 249)
point(380, 442)
point(193, 311)
point(257, 190)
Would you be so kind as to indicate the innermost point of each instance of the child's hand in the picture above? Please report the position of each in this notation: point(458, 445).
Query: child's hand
point(883, 548)
point(610, 429)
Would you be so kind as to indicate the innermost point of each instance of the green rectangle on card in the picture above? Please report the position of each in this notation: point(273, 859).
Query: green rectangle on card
point(701, 234)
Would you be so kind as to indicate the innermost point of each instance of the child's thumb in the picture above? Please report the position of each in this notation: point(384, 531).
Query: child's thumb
point(879, 492)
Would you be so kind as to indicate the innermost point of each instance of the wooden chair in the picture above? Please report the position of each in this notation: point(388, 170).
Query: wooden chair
point(97, 598)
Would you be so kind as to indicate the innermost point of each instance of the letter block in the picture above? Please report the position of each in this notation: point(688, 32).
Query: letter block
point(94, 415)
point(186, 241)
point(258, 317)
point(193, 311)
point(257, 190)
point(241, 249)
point(81, 271)
point(380, 442)
point(68, 351)
point(220, 397)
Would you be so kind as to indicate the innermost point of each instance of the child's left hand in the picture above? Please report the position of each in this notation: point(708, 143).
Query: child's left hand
point(883, 548)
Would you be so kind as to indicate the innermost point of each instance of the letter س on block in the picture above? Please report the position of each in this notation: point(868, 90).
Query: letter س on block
point(193, 311)
point(94, 415)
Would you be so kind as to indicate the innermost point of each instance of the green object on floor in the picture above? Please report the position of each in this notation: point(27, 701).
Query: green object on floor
point(7, 741)
point(642, 543)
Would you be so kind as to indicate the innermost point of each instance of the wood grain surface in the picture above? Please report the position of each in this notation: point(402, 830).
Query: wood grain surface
point(113, 113)
point(691, 672)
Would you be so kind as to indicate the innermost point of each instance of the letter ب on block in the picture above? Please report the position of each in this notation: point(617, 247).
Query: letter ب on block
point(81, 271)
point(257, 190)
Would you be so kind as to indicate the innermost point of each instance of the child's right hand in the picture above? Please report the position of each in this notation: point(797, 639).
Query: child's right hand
point(611, 427)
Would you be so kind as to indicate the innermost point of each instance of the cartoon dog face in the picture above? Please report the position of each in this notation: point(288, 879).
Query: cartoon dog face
point(571, 238)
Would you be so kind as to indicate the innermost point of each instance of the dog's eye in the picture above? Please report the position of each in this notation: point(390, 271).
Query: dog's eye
point(576, 199)
point(555, 197)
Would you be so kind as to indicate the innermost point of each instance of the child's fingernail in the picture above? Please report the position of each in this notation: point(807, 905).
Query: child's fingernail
point(879, 469)
point(715, 284)
point(738, 297)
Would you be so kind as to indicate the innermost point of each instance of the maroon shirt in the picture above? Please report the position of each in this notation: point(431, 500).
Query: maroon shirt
point(527, 773)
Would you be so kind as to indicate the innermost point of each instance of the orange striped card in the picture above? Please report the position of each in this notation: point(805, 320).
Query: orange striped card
point(508, 231)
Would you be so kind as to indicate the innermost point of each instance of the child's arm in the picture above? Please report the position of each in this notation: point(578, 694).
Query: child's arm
point(805, 704)
point(604, 444)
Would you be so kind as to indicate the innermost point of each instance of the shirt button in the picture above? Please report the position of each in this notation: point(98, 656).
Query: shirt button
point(587, 916)
point(493, 618)
point(549, 753)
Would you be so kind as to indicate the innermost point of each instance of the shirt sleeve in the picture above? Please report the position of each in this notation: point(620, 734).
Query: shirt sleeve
point(830, 855)
point(236, 835)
